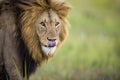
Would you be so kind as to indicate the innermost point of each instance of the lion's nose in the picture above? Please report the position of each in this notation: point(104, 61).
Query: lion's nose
point(51, 39)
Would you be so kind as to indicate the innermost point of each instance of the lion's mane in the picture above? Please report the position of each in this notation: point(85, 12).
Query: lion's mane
point(30, 11)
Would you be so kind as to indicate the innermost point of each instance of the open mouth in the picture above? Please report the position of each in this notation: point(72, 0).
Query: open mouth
point(49, 48)
point(50, 44)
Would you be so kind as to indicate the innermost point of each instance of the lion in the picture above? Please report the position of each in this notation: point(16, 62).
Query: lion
point(30, 33)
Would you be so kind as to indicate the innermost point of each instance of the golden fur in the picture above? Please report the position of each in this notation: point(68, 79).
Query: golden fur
point(31, 10)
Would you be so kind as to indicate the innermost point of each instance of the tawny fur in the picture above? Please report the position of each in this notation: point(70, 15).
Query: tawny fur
point(31, 10)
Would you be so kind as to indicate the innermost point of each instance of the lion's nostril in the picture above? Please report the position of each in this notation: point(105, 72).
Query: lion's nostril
point(51, 39)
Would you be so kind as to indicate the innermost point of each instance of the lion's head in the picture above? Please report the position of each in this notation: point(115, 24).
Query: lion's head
point(44, 26)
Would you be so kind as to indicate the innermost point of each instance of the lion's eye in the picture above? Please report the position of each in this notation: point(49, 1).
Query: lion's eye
point(43, 24)
point(57, 24)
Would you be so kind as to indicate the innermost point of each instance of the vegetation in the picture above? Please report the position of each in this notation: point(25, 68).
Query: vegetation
point(92, 50)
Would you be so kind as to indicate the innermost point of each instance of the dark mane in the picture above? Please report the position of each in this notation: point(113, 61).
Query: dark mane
point(19, 44)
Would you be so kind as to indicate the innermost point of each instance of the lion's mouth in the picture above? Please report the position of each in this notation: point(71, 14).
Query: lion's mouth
point(50, 44)
point(49, 48)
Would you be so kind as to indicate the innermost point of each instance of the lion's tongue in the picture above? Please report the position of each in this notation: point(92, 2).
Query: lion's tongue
point(51, 43)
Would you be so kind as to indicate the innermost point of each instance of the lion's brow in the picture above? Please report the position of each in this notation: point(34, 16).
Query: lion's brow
point(49, 15)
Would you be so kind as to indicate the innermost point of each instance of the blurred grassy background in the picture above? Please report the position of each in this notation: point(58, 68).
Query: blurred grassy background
point(92, 50)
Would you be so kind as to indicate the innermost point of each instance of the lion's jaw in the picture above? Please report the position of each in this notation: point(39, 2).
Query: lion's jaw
point(48, 51)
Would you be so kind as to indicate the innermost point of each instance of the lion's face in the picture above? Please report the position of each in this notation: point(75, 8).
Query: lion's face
point(48, 27)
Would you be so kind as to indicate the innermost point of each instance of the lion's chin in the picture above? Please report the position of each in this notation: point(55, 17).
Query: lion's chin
point(48, 51)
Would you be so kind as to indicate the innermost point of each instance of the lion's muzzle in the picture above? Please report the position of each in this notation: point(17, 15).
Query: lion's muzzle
point(50, 46)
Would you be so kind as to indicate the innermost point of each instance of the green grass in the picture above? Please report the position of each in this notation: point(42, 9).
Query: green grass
point(92, 50)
